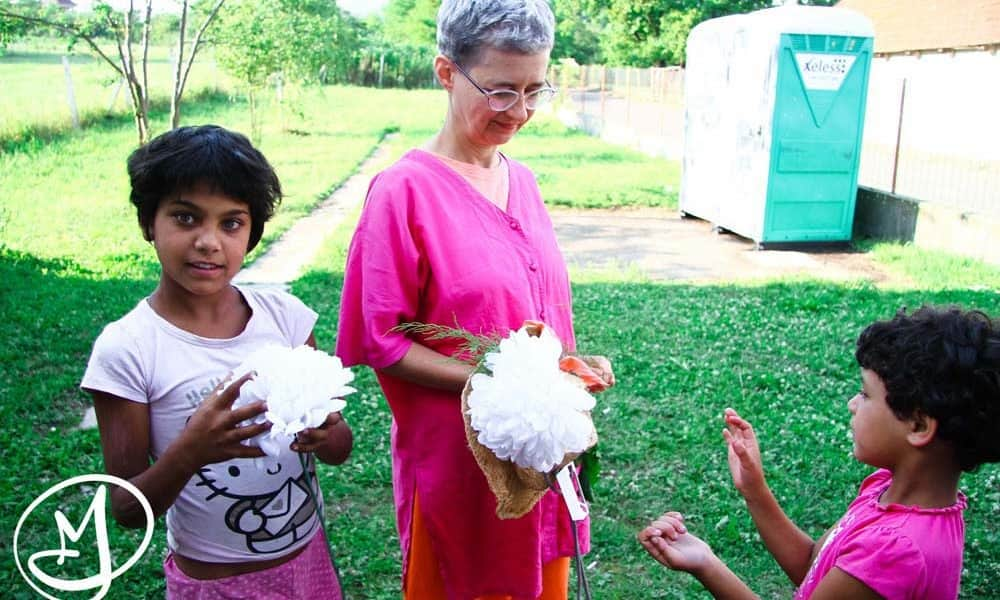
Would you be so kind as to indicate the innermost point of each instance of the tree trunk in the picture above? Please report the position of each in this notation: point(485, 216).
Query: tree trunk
point(177, 88)
point(254, 125)
point(180, 82)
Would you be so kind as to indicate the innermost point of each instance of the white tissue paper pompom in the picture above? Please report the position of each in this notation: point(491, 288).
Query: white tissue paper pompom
point(301, 386)
point(528, 410)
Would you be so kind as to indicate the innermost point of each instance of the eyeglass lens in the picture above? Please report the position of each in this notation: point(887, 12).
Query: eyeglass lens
point(501, 100)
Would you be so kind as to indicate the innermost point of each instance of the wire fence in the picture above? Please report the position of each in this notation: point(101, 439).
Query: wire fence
point(931, 131)
point(642, 108)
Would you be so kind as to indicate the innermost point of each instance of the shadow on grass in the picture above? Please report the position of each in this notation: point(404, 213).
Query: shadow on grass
point(781, 353)
point(52, 310)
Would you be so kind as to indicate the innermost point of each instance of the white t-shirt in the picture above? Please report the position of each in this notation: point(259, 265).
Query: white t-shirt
point(230, 511)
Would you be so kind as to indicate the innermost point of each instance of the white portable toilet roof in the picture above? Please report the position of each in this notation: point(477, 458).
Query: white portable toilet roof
point(793, 18)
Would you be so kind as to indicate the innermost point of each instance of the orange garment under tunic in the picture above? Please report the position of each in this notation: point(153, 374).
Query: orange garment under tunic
point(423, 577)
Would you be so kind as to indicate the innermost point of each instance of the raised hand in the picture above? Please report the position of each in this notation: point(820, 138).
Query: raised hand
point(213, 433)
point(667, 540)
point(745, 464)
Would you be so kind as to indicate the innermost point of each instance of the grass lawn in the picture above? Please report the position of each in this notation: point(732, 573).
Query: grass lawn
point(779, 352)
point(71, 260)
point(34, 82)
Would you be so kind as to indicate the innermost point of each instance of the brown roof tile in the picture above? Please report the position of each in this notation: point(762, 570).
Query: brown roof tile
point(908, 25)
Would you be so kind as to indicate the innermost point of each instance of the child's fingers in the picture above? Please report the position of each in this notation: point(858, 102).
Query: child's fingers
point(249, 411)
point(308, 440)
point(647, 533)
point(658, 548)
point(669, 527)
point(245, 433)
point(737, 423)
point(226, 397)
point(736, 445)
point(729, 437)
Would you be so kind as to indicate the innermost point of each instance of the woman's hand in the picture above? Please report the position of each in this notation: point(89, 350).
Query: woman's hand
point(332, 441)
point(213, 433)
point(602, 367)
point(745, 464)
point(595, 371)
point(667, 540)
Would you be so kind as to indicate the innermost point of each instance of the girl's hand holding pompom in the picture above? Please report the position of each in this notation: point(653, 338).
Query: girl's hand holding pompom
point(303, 388)
point(332, 441)
point(213, 433)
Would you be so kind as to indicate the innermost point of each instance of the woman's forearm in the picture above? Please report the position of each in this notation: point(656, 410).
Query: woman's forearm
point(429, 368)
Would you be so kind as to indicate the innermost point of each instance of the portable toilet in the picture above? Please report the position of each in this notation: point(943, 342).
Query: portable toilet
point(774, 111)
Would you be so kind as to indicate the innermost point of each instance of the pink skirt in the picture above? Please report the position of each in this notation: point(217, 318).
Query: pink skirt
point(308, 575)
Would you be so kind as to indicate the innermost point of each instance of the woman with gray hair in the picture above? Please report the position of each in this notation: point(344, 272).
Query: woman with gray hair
point(456, 234)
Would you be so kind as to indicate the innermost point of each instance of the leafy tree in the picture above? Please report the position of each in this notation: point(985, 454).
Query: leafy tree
point(639, 33)
point(13, 28)
point(10, 30)
point(300, 41)
point(579, 27)
point(129, 58)
point(412, 22)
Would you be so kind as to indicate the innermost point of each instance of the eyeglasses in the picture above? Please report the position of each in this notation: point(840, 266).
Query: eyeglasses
point(501, 100)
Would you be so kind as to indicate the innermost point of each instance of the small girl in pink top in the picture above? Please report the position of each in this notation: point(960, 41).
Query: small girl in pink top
point(928, 409)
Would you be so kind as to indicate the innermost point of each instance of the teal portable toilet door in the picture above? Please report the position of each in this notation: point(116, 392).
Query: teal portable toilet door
point(819, 108)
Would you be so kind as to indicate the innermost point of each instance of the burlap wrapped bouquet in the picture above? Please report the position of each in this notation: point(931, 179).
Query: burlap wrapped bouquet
point(526, 417)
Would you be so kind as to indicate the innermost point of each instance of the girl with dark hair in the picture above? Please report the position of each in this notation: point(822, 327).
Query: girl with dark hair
point(202, 195)
point(928, 409)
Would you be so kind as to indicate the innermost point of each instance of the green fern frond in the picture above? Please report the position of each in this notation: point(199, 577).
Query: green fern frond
point(471, 350)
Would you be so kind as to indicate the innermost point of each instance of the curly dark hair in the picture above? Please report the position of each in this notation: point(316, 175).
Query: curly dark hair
point(187, 157)
point(944, 363)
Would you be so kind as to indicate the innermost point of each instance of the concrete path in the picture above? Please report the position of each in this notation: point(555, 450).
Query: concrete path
point(285, 259)
point(662, 246)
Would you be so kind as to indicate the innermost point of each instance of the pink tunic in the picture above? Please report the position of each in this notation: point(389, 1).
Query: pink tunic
point(429, 248)
point(900, 552)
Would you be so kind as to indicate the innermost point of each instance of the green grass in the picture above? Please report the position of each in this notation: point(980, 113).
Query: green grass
point(34, 98)
point(933, 269)
point(577, 170)
point(64, 195)
point(780, 352)
point(72, 259)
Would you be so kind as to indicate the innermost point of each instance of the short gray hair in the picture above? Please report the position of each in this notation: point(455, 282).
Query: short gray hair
point(466, 27)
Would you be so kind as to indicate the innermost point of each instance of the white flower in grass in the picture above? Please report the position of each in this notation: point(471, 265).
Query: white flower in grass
point(527, 410)
point(301, 386)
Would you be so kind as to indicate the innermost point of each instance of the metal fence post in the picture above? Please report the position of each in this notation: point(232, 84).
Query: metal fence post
point(604, 81)
point(70, 97)
point(899, 136)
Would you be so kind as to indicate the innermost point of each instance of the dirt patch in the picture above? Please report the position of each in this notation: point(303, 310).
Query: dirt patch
point(664, 246)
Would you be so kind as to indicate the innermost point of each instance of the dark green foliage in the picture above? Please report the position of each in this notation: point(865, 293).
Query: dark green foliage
point(638, 33)
point(411, 22)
